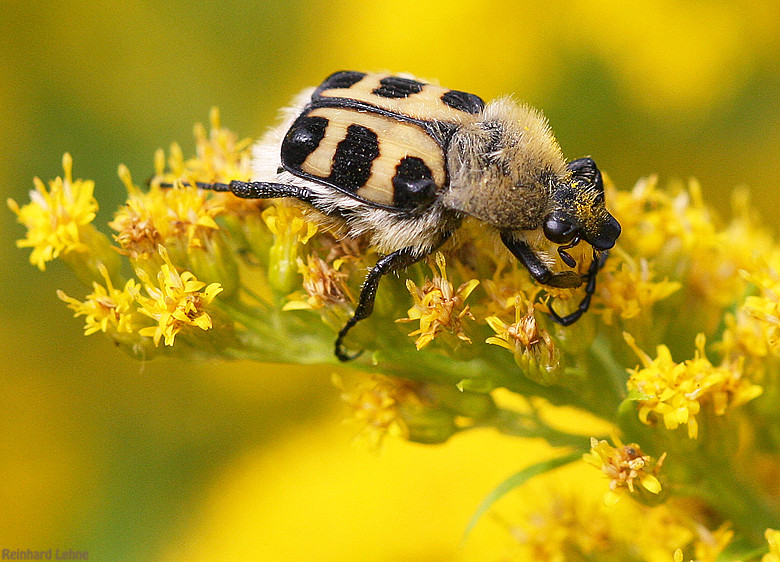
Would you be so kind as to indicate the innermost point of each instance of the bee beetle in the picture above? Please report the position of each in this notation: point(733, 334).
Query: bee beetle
point(405, 162)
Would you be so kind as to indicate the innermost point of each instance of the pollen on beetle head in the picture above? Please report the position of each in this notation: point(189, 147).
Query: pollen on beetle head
point(439, 306)
point(626, 466)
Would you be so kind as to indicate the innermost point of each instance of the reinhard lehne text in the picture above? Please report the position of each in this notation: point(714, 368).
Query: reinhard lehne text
point(50, 554)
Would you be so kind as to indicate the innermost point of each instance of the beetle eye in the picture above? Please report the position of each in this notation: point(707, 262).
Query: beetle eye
point(559, 231)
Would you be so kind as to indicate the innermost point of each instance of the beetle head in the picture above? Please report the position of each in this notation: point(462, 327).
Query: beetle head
point(579, 212)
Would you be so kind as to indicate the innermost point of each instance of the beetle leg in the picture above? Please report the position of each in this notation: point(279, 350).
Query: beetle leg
point(567, 259)
point(260, 190)
point(400, 259)
point(254, 189)
point(538, 270)
point(542, 274)
point(590, 288)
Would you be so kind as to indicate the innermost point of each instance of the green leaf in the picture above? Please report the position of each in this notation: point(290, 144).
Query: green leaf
point(515, 481)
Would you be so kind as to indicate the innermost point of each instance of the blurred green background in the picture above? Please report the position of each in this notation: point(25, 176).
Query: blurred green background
point(186, 460)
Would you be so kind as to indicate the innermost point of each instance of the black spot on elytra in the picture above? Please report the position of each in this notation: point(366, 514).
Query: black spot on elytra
point(342, 79)
point(463, 101)
point(413, 183)
point(353, 158)
point(396, 87)
point(302, 139)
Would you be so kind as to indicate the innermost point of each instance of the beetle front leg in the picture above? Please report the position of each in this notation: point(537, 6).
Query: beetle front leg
point(536, 267)
point(566, 279)
point(590, 288)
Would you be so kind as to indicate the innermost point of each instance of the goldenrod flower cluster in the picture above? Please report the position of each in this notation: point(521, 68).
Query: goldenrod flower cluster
point(57, 218)
point(185, 270)
point(438, 306)
point(675, 392)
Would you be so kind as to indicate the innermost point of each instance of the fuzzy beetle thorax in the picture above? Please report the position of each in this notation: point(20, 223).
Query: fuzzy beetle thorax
point(505, 166)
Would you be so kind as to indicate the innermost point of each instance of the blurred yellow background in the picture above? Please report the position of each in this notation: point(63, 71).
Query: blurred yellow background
point(175, 460)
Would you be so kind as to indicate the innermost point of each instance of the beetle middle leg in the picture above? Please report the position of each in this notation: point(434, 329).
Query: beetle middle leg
point(400, 259)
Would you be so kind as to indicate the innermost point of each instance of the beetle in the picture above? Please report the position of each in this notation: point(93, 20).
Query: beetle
point(404, 162)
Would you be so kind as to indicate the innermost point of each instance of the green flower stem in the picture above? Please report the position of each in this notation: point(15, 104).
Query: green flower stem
point(276, 336)
point(85, 264)
point(482, 374)
point(612, 376)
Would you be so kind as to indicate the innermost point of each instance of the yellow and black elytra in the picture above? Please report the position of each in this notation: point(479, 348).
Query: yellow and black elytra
point(405, 162)
point(336, 139)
